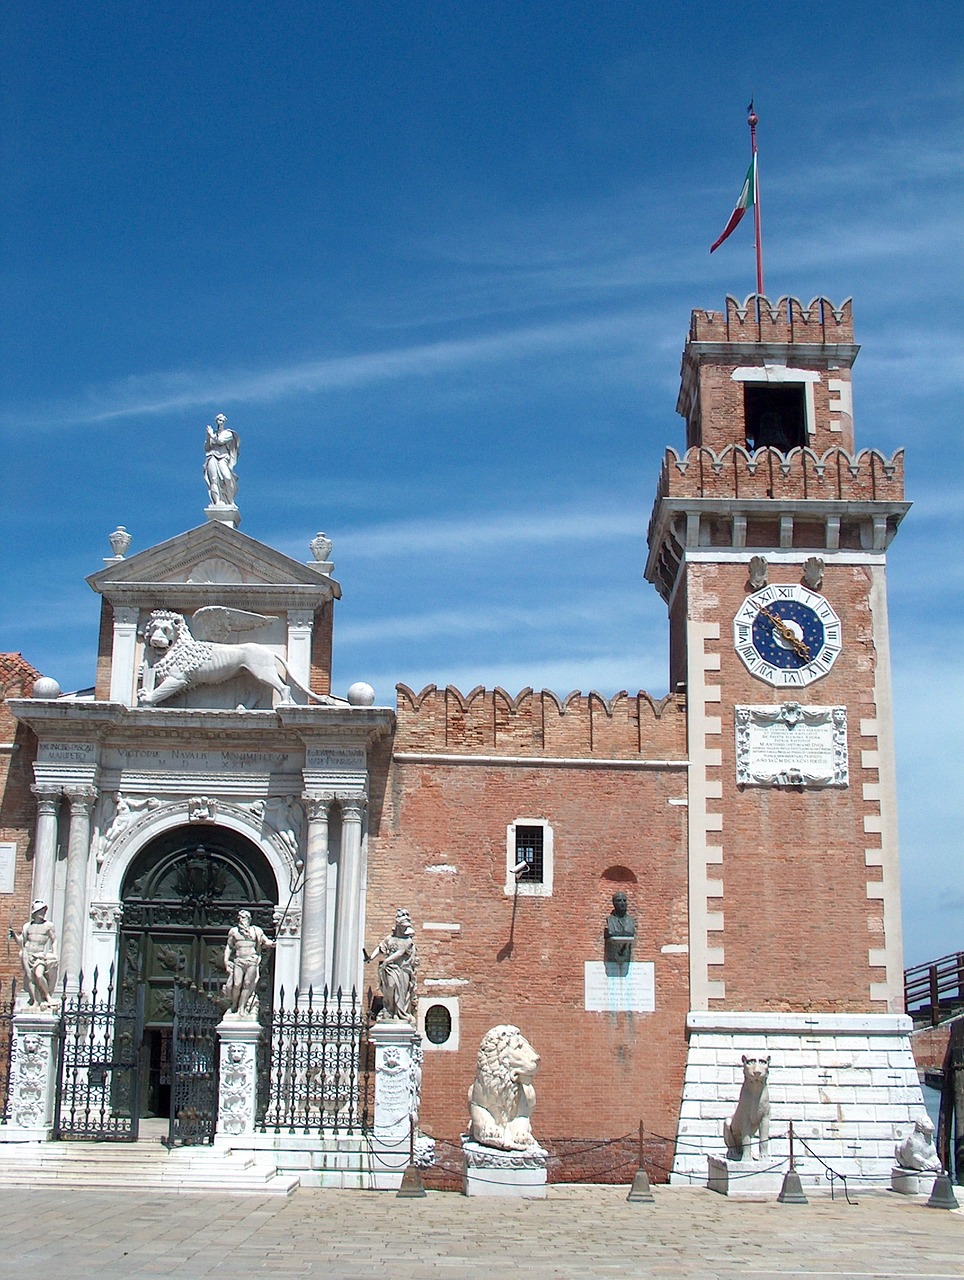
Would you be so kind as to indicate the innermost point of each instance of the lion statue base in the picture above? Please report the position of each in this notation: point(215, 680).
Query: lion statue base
point(502, 1097)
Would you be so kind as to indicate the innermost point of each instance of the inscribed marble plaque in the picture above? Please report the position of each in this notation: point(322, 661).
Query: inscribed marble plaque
point(788, 745)
point(8, 866)
point(616, 988)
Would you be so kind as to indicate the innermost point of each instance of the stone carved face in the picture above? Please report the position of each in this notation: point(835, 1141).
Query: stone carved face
point(620, 904)
point(160, 634)
point(755, 1068)
point(31, 1044)
point(235, 1053)
point(519, 1058)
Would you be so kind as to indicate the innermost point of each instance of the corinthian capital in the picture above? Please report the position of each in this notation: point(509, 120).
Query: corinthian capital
point(352, 808)
point(317, 806)
point(48, 797)
point(81, 800)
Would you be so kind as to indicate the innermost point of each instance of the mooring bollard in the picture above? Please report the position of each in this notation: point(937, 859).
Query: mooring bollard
point(641, 1192)
point(412, 1187)
point(792, 1190)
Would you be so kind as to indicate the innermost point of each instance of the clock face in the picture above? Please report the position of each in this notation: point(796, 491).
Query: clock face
point(787, 635)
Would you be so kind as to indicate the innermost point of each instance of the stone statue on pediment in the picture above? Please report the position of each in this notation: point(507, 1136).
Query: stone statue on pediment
point(397, 969)
point(221, 447)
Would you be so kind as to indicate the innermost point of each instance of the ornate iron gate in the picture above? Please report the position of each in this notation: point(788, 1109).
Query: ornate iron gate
point(98, 1065)
point(194, 1062)
point(316, 1074)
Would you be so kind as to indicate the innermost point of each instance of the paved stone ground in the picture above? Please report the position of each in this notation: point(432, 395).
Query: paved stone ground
point(578, 1233)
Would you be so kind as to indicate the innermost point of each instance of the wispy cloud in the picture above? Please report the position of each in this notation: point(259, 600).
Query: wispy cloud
point(502, 529)
point(169, 392)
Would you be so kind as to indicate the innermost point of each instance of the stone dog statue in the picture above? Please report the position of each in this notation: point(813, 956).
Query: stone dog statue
point(752, 1115)
point(180, 660)
point(917, 1150)
point(502, 1097)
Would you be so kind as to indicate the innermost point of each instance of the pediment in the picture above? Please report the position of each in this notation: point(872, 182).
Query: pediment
point(213, 554)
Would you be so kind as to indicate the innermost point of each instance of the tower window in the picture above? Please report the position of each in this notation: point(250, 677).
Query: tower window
point(775, 416)
point(438, 1024)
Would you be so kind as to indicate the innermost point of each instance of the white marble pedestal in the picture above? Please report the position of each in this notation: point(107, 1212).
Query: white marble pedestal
point(490, 1172)
point(33, 1077)
point(743, 1179)
point(238, 1078)
point(398, 1081)
point(912, 1182)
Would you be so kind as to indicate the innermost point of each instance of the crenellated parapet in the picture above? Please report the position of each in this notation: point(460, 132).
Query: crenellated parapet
point(738, 499)
point(786, 319)
point(736, 472)
point(540, 724)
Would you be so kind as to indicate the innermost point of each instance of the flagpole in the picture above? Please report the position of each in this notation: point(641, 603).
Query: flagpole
point(753, 120)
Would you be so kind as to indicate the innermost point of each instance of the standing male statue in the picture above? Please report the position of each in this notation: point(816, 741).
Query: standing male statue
point(38, 956)
point(620, 931)
point(221, 448)
point(242, 959)
point(396, 971)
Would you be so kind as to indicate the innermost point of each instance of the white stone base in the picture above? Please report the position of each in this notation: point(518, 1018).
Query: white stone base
point(848, 1082)
point(912, 1182)
point(743, 1179)
point(489, 1172)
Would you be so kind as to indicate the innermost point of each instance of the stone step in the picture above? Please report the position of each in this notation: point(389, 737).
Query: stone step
point(74, 1179)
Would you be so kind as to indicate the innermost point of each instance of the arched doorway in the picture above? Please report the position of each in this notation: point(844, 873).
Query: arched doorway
point(181, 895)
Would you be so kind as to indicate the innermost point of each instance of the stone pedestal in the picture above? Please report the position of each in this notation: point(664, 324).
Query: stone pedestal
point(398, 1085)
point(743, 1179)
point(238, 1081)
point(33, 1078)
point(912, 1182)
point(223, 513)
point(490, 1172)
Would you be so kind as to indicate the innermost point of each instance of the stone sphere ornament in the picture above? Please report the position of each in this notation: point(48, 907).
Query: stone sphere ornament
point(47, 688)
point(361, 694)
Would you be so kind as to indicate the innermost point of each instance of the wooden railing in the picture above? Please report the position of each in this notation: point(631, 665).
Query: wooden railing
point(935, 991)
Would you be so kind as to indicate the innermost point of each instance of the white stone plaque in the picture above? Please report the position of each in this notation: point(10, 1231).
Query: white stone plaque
point(8, 866)
point(336, 760)
point(616, 988)
point(789, 745)
point(84, 753)
point(174, 760)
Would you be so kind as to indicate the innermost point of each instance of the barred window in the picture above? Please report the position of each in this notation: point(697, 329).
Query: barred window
point(529, 858)
point(529, 849)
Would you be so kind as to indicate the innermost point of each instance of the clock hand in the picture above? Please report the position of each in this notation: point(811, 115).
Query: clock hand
point(795, 643)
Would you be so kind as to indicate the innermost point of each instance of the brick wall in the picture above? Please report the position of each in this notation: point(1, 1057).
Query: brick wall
point(798, 906)
point(437, 845)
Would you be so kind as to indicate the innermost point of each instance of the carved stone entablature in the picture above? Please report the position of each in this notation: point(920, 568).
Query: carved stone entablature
point(202, 809)
point(106, 916)
point(789, 745)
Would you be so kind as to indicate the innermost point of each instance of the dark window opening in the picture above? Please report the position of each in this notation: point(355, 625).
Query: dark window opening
point(528, 849)
point(438, 1024)
point(775, 417)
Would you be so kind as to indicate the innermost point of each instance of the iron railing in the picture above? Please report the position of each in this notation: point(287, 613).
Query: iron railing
point(935, 991)
point(98, 1062)
point(316, 1074)
point(7, 1042)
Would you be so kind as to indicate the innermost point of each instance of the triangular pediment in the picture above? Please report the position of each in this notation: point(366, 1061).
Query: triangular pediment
point(211, 555)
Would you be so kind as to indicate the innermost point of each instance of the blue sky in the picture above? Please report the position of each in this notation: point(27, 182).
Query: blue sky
point(436, 261)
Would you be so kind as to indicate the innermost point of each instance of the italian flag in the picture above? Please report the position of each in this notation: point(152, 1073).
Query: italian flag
point(748, 198)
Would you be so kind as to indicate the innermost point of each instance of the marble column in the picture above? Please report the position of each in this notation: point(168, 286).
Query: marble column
point(75, 897)
point(45, 842)
point(348, 910)
point(314, 917)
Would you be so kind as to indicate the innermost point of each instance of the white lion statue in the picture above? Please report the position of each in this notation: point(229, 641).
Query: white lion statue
point(179, 659)
point(502, 1097)
point(917, 1151)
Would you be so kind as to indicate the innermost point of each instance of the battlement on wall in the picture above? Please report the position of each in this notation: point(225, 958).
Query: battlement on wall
point(735, 472)
point(492, 722)
point(757, 319)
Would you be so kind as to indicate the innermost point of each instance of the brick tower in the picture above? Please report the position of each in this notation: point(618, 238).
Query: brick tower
point(768, 543)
